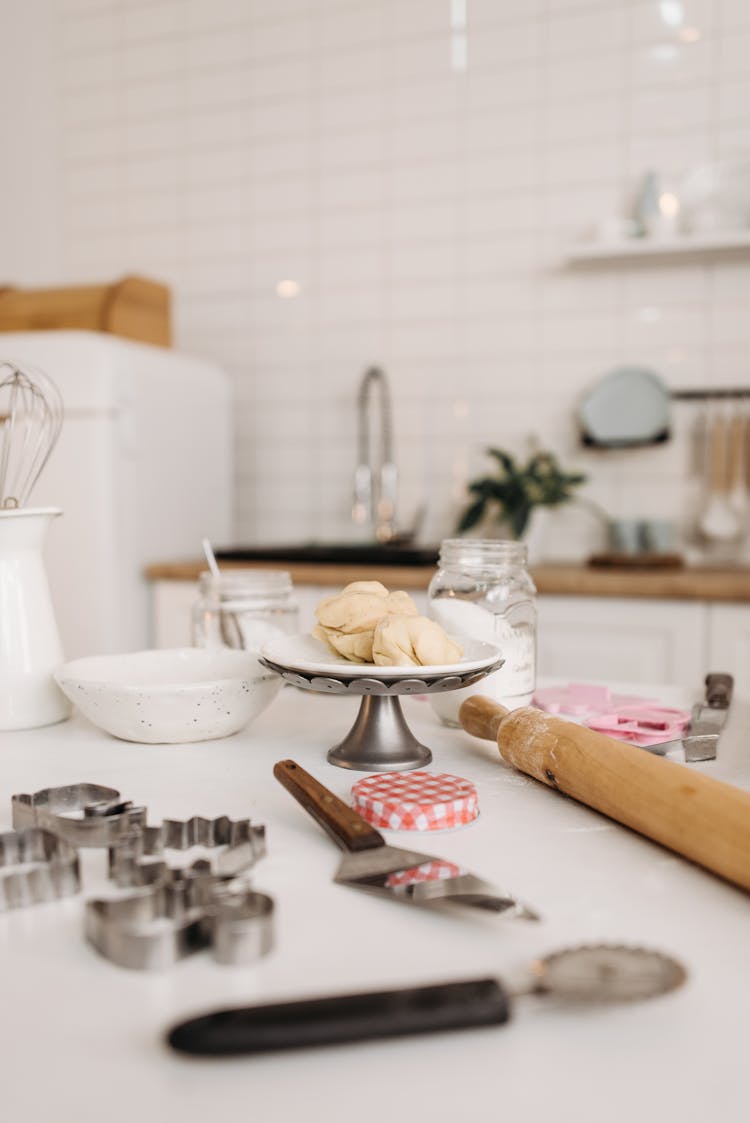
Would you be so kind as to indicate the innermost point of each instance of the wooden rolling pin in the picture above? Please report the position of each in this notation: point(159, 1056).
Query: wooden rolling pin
point(698, 817)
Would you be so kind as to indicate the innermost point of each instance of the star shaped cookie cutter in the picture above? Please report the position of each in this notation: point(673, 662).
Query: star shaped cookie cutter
point(244, 843)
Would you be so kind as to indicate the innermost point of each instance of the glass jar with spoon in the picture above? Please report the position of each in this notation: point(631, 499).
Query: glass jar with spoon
point(242, 608)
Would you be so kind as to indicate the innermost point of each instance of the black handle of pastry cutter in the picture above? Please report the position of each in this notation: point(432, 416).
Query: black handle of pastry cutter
point(343, 1018)
point(719, 689)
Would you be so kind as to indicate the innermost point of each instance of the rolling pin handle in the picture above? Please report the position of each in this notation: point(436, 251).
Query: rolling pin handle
point(482, 717)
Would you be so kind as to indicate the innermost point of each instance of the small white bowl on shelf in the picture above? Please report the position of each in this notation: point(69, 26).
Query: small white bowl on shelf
point(170, 696)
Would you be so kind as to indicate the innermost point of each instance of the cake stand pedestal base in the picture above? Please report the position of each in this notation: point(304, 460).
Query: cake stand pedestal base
point(380, 740)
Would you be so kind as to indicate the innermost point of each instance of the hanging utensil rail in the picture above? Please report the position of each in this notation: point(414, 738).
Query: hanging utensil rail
point(705, 394)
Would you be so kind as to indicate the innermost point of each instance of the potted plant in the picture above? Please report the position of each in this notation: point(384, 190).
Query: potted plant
point(511, 494)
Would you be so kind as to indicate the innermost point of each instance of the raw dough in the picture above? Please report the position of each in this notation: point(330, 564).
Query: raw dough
point(347, 621)
point(408, 641)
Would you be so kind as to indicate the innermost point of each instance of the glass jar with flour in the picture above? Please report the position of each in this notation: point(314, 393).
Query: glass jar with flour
point(483, 590)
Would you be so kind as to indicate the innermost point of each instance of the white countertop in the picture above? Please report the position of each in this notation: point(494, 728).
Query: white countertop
point(82, 1039)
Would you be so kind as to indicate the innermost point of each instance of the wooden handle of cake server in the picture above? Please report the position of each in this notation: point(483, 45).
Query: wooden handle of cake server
point(698, 817)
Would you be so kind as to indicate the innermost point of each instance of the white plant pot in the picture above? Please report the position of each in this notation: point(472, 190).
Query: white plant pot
point(30, 648)
point(569, 533)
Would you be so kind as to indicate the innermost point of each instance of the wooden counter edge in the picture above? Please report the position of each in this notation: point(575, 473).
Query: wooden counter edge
point(730, 585)
point(305, 573)
point(685, 583)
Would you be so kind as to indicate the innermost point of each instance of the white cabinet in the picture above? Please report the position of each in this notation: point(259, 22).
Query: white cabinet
point(625, 639)
point(729, 642)
point(643, 640)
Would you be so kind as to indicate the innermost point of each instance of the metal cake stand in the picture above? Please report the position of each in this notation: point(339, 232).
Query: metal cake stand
point(380, 739)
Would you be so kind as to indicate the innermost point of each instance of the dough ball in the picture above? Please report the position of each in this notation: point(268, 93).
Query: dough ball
point(352, 611)
point(356, 648)
point(347, 621)
point(412, 641)
point(401, 604)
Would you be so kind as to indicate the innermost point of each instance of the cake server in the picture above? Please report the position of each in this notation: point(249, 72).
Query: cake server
point(370, 864)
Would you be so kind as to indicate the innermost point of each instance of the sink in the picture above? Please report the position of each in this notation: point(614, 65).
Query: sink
point(351, 553)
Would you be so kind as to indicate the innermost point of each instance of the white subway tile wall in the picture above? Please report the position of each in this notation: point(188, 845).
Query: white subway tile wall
point(329, 184)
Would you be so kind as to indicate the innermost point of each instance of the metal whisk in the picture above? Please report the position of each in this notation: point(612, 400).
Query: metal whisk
point(31, 414)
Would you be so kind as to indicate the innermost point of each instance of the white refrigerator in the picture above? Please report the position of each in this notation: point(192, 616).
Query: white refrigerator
point(142, 472)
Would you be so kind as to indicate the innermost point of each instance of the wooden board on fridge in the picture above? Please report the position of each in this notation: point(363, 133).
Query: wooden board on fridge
point(134, 308)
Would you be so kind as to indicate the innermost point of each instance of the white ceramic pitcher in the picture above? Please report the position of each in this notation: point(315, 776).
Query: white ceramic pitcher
point(29, 642)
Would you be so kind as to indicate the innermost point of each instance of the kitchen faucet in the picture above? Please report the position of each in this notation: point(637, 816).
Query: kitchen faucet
point(375, 480)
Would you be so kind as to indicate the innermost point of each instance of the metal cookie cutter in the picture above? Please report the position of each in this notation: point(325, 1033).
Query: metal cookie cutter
point(52, 871)
point(189, 910)
point(177, 911)
point(82, 814)
point(244, 844)
point(183, 910)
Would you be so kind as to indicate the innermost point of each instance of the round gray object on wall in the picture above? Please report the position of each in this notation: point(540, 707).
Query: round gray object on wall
point(628, 408)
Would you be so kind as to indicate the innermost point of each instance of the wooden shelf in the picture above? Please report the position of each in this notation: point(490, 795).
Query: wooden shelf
point(133, 308)
point(717, 242)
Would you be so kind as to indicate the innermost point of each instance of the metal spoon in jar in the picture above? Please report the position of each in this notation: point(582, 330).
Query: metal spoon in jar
point(229, 625)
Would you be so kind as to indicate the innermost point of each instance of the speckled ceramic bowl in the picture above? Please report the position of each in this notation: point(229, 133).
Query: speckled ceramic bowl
point(171, 696)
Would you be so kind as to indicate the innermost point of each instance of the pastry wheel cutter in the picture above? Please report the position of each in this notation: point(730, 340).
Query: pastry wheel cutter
point(583, 975)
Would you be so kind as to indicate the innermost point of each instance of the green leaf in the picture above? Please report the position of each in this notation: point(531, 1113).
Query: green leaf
point(519, 519)
point(516, 490)
point(505, 460)
point(471, 516)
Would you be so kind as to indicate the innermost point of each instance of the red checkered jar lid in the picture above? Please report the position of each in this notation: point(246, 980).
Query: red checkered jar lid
point(416, 801)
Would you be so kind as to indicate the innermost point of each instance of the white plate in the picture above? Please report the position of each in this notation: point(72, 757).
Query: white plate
point(311, 656)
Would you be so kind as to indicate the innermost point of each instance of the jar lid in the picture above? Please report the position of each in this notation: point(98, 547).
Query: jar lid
point(428, 871)
point(416, 801)
point(481, 553)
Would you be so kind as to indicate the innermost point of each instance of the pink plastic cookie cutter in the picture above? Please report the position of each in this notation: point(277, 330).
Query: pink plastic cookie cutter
point(627, 717)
